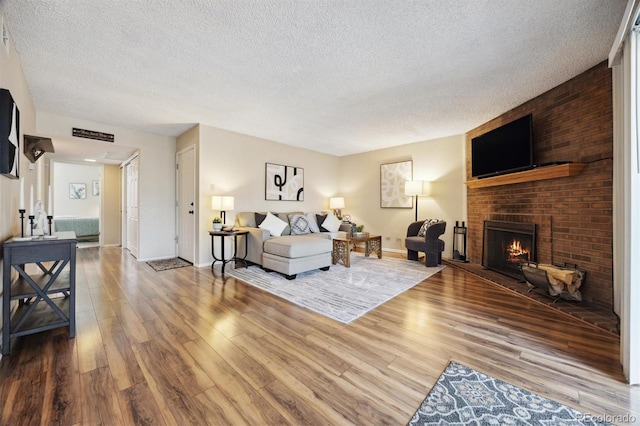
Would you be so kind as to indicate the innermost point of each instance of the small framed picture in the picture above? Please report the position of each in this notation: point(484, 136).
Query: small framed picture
point(77, 191)
point(96, 187)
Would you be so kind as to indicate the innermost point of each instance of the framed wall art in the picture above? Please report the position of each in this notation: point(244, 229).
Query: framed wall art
point(96, 187)
point(284, 183)
point(9, 136)
point(77, 191)
point(392, 179)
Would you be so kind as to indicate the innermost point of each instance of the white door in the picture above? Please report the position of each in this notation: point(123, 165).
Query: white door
point(132, 206)
point(186, 189)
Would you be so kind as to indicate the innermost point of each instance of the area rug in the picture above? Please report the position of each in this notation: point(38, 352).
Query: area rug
point(464, 396)
point(164, 264)
point(343, 294)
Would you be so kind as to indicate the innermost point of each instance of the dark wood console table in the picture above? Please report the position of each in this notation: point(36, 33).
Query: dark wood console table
point(47, 298)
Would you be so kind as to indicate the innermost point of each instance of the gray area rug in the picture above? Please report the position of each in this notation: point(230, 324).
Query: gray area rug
point(342, 294)
point(464, 396)
point(164, 264)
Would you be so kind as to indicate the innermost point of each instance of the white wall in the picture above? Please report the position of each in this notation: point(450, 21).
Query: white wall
point(440, 161)
point(156, 179)
point(64, 174)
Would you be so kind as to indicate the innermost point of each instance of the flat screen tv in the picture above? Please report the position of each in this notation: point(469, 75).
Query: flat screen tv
point(507, 149)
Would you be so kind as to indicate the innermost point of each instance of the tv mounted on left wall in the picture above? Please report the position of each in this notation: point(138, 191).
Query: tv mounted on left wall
point(9, 135)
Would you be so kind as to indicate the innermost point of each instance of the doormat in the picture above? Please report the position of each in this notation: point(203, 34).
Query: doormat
point(464, 396)
point(164, 264)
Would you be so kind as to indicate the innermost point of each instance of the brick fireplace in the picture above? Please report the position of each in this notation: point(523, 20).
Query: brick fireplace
point(573, 215)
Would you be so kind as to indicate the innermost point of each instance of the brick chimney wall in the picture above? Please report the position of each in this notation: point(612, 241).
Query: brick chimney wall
point(572, 122)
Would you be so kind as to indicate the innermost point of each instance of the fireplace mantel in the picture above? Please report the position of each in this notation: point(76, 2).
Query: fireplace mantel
point(548, 172)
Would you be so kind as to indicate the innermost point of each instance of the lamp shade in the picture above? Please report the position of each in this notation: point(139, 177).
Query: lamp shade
point(336, 203)
point(222, 203)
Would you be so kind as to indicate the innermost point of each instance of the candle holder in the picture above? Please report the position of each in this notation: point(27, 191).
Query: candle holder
point(50, 219)
point(31, 220)
point(22, 212)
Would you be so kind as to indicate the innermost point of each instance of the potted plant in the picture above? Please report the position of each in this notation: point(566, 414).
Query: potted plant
point(358, 232)
point(217, 223)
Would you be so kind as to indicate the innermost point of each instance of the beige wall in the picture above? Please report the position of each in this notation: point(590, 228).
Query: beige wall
point(12, 79)
point(156, 179)
point(440, 161)
point(234, 164)
point(111, 196)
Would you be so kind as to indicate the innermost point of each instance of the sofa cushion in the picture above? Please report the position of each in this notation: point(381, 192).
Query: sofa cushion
point(295, 246)
point(259, 218)
point(313, 223)
point(273, 224)
point(331, 223)
point(246, 220)
point(319, 219)
point(285, 218)
point(299, 224)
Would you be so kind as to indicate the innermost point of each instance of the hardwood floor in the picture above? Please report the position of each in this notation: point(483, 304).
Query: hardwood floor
point(188, 346)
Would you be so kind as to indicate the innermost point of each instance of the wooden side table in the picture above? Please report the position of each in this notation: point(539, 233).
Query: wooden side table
point(341, 252)
point(342, 248)
point(222, 235)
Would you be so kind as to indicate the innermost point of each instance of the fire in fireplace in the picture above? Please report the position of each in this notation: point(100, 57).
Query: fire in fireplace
point(506, 245)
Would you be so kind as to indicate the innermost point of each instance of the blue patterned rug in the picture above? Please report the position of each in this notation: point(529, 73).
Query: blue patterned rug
point(463, 396)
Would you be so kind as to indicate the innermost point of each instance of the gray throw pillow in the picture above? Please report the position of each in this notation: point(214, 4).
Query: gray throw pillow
point(299, 224)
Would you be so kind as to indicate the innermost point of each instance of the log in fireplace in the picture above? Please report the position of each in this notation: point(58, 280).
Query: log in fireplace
point(507, 245)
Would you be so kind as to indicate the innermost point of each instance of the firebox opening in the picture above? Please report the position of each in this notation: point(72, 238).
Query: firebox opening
point(507, 245)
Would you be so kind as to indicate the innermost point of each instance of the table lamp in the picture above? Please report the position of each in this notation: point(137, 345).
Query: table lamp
point(336, 204)
point(222, 203)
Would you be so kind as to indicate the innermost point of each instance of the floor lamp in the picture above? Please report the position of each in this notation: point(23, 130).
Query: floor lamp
point(417, 188)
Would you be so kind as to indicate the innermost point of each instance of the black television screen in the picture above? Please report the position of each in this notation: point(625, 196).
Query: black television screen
point(508, 148)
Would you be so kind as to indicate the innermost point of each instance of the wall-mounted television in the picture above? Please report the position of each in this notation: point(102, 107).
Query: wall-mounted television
point(507, 149)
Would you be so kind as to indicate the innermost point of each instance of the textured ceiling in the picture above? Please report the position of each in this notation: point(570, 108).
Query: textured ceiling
point(338, 77)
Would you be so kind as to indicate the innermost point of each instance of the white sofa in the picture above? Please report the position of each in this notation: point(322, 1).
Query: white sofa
point(293, 250)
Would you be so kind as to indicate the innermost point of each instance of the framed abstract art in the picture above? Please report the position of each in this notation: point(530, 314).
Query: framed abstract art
point(392, 179)
point(77, 191)
point(284, 183)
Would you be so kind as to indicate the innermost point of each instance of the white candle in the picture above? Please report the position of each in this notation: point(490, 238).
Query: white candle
point(21, 206)
point(31, 213)
point(50, 201)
